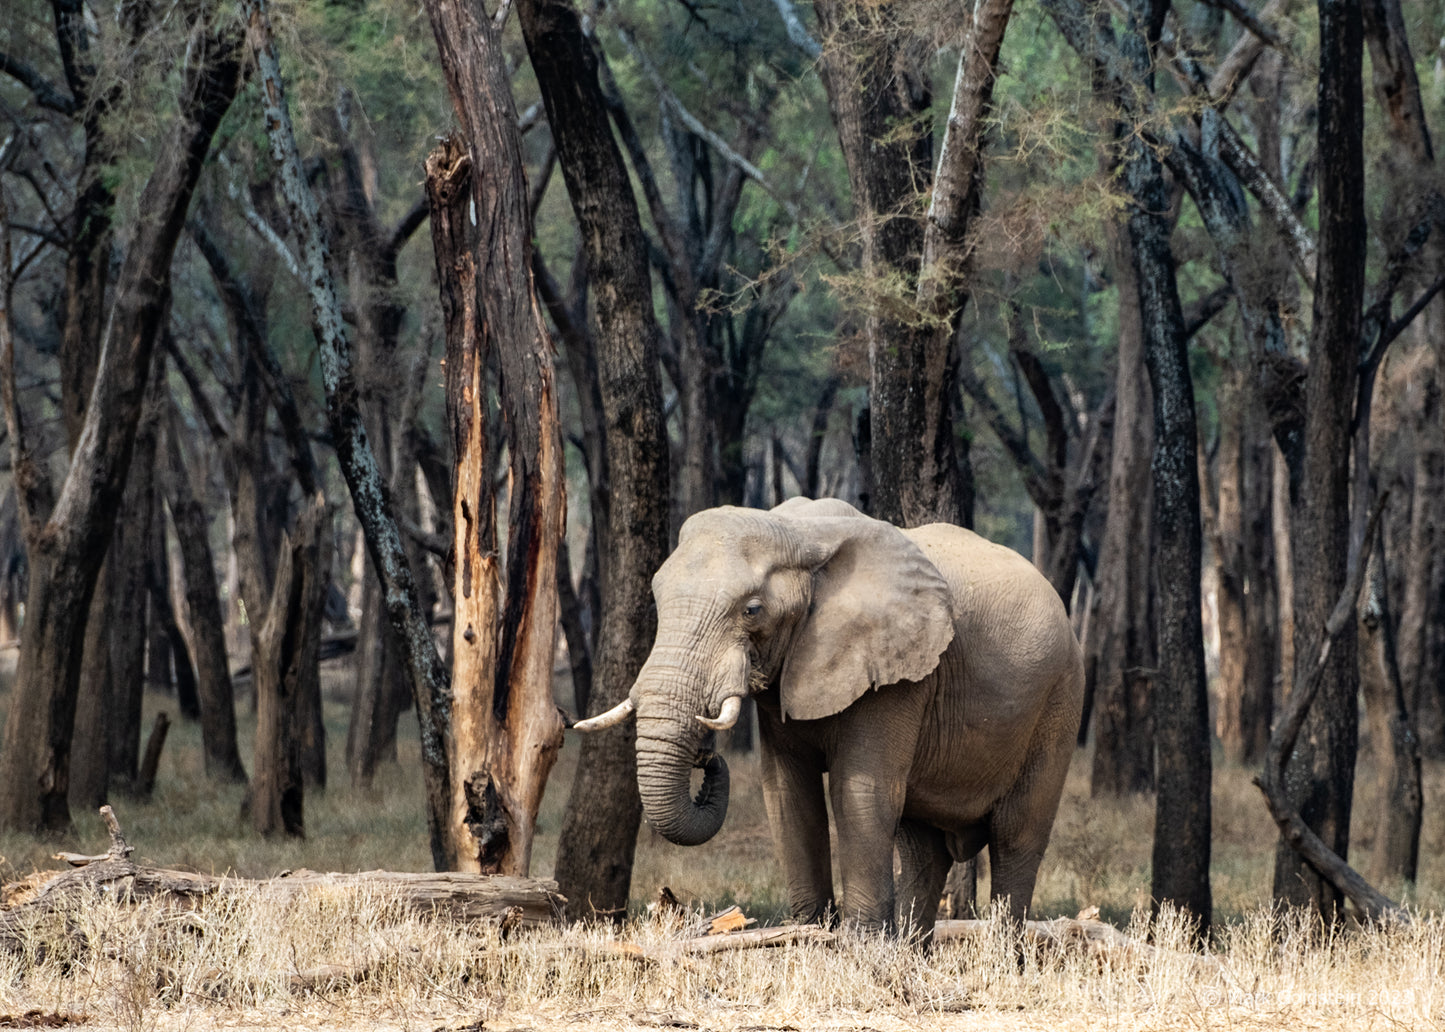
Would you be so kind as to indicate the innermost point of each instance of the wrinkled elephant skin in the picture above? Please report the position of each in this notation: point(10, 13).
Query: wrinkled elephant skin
point(932, 675)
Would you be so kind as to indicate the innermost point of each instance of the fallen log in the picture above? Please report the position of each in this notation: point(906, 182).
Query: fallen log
point(462, 898)
point(1085, 933)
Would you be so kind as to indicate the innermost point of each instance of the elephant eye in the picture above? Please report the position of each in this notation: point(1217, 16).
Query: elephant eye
point(753, 608)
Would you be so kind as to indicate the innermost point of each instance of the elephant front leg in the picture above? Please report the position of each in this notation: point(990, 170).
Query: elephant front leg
point(867, 811)
point(798, 815)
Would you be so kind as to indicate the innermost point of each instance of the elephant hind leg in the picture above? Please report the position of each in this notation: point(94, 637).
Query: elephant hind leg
point(924, 860)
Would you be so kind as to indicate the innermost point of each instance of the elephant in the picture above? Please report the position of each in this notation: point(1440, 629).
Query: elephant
point(932, 675)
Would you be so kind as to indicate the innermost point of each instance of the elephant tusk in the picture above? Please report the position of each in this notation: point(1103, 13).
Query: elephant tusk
point(616, 715)
point(727, 716)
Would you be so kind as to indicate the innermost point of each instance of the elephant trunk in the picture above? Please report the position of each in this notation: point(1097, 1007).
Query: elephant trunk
point(671, 742)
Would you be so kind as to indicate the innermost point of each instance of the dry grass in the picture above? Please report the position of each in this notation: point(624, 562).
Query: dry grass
point(234, 964)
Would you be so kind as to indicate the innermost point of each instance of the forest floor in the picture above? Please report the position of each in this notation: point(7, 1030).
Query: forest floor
point(141, 969)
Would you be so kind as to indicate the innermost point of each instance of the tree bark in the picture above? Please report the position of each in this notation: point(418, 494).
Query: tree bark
point(284, 650)
point(595, 853)
point(1182, 801)
point(430, 686)
point(1392, 734)
point(1320, 775)
point(67, 549)
point(879, 96)
point(222, 757)
point(1121, 643)
point(506, 729)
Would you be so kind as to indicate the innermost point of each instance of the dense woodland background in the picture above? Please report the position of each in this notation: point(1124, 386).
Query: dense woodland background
point(1145, 290)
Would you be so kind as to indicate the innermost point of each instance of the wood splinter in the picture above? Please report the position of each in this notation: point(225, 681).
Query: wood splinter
point(119, 848)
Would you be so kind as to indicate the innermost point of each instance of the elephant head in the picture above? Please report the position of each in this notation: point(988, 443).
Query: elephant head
point(813, 600)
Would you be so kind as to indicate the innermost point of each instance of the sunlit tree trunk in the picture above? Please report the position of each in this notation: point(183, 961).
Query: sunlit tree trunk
point(506, 729)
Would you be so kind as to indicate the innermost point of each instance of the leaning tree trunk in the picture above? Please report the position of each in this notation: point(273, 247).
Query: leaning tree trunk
point(506, 729)
point(68, 548)
point(431, 690)
point(284, 652)
point(594, 856)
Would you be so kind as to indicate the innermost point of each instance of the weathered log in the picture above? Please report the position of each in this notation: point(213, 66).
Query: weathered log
point(461, 898)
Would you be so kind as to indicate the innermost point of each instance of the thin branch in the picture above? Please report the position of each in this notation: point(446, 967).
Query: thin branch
point(1390, 332)
point(220, 433)
point(797, 32)
point(406, 228)
point(1033, 471)
point(254, 219)
point(696, 127)
point(34, 492)
point(1372, 903)
point(1199, 314)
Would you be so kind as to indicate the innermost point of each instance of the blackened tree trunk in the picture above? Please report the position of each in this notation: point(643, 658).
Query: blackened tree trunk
point(129, 556)
point(68, 546)
point(1320, 775)
point(506, 729)
point(594, 858)
point(1182, 802)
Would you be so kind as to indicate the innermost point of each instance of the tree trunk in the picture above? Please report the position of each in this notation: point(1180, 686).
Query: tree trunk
point(129, 556)
point(1261, 587)
point(284, 650)
point(65, 557)
point(1320, 774)
point(506, 729)
point(1226, 531)
point(595, 853)
point(222, 757)
point(1122, 641)
point(1182, 802)
point(430, 687)
point(1392, 733)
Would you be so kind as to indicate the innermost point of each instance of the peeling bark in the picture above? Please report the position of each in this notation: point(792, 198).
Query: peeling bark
point(506, 729)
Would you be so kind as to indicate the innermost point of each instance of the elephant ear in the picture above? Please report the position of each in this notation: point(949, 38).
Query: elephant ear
point(881, 613)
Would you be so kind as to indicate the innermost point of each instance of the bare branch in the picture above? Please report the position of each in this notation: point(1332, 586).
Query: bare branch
point(33, 490)
point(47, 94)
point(256, 221)
point(1372, 903)
point(404, 230)
point(797, 32)
point(695, 126)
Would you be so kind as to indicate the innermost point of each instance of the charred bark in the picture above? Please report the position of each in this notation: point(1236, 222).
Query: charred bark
point(1320, 775)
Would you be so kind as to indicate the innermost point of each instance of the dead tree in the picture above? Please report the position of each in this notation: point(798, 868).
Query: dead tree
point(506, 731)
